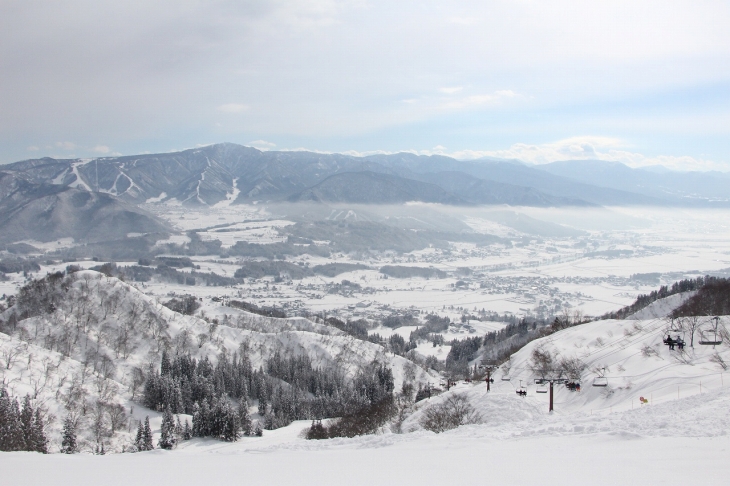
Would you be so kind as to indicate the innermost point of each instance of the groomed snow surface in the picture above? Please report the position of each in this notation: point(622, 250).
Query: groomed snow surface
point(596, 436)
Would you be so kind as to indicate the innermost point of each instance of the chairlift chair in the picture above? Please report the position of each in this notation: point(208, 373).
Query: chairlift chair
point(600, 381)
point(705, 340)
point(505, 378)
point(541, 388)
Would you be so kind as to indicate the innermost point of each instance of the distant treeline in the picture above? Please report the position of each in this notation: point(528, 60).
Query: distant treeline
point(165, 272)
point(254, 309)
point(275, 268)
point(274, 251)
point(358, 328)
point(397, 271)
point(712, 299)
point(18, 266)
point(334, 269)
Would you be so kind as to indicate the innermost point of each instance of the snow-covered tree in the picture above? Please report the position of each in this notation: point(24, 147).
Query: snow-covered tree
point(139, 440)
point(11, 432)
point(38, 433)
point(244, 418)
point(26, 424)
point(167, 431)
point(147, 443)
point(187, 431)
point(68, 443)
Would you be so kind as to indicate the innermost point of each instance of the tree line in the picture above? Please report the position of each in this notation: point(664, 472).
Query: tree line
point(21, 429)
point(288, 388)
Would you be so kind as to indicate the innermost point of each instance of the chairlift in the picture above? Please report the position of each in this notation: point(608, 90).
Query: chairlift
point(521, 391)
point(706, 341)
point(505, 378)
point(539, 381)
point(541, 388)
point(674, 326)
point(600, 381)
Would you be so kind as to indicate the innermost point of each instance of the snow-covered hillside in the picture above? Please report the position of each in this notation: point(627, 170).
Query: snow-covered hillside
point(89, 336)
point(633, 359)
point(662, 307)
point(680, 442)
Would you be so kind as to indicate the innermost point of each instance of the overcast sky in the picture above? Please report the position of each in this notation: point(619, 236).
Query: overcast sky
point(637, 81)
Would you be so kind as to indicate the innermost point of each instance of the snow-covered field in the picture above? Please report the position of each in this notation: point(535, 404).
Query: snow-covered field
point(622, 252)
point(599, 435)
point(681, 442)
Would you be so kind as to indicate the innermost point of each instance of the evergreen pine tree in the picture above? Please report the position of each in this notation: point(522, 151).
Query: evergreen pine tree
point(26, 424)
point(167, 431)
point(147, 442)
point(178, 429)
point(205, 419)
point(196, 420)
point(139, 440)
point(11, 432)
point(231, 431)
point(244, 418)
point(187, 431)
point(5, 420)
point(15, 437)
point(262, 403)
point(39, 439)
point(165, 364)
point(68, 444)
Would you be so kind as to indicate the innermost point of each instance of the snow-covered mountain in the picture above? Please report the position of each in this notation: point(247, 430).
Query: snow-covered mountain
point(44, 211)
point(209, 175)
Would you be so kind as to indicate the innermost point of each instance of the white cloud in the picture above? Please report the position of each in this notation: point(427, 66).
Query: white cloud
point(573, 148)
point(32, 148)
point(101, 149)
point(233, 108)
point(462, 20)
point(262, 145)
point(591, 147)
point(66, 145)
point(478, 100)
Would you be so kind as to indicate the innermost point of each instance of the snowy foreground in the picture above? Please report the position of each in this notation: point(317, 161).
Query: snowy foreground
point(600, 435)
point(679, 442)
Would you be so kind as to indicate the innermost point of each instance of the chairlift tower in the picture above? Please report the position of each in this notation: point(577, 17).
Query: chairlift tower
point(489, 370)
point(552, 380)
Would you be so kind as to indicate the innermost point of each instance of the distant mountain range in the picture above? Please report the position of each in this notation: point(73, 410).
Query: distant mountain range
point(100, 197)
point(657, 181)
point(46, 212)
point(207, 175)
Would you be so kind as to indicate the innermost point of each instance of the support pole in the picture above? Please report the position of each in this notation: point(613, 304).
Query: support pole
point(551, 396)
point(489, 375)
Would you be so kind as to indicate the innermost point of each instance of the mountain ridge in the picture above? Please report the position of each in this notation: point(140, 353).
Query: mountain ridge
point(207, 175)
